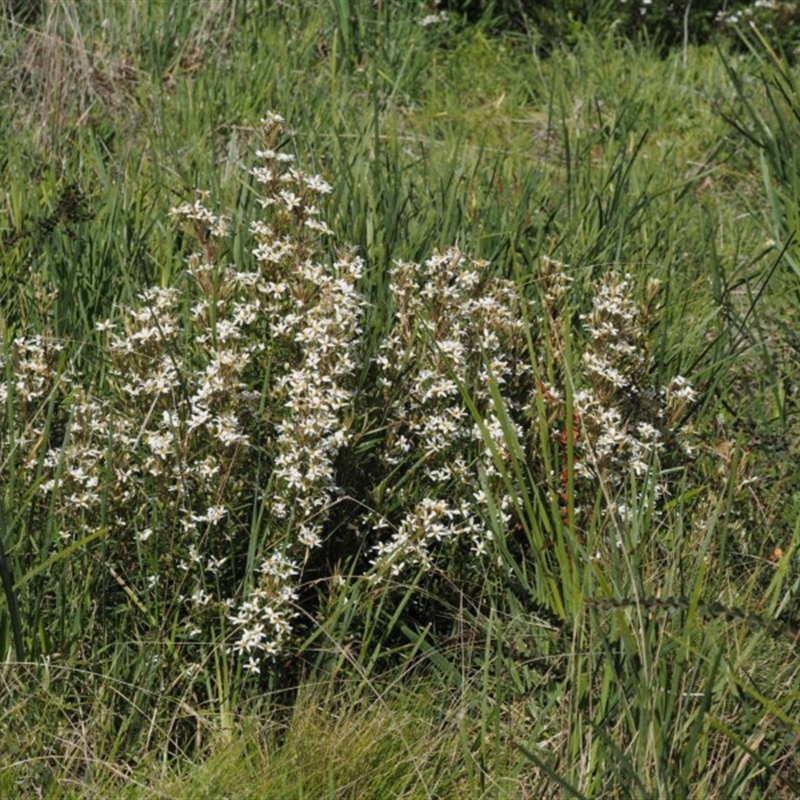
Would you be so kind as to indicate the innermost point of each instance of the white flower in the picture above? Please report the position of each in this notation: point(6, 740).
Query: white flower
point(216, 514)
point(316, 184)
point(143, 535)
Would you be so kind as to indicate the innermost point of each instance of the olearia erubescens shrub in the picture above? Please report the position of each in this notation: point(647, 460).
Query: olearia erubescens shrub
point(206, 460)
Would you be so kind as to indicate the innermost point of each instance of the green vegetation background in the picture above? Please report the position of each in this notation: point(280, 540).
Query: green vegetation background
point(608, 154)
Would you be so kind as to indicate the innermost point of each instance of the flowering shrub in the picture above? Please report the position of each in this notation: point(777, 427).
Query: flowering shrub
point(208, 455)
point(628, 425)
point(169, 456)
point(456, 331)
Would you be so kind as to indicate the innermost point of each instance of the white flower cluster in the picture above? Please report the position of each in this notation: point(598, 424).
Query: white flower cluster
point(313, 311)
point(317, 394)
point(749, 13)
point(434, 19)
point(35, 379)
point(458, 332)
point(626, 423)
